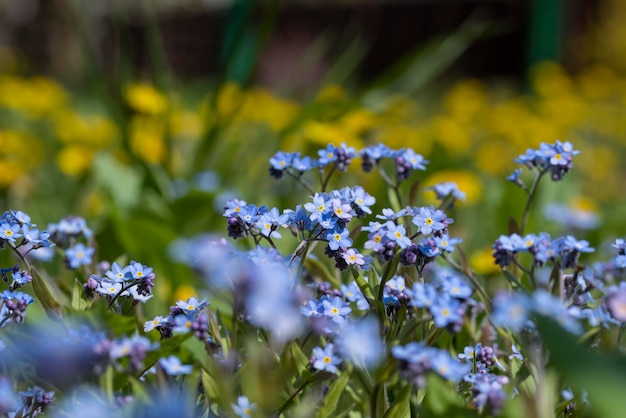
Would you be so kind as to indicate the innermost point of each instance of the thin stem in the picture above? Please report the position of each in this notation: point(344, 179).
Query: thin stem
point(385, 177)
point(327, 179)
point(531, 195)
point(302, 182)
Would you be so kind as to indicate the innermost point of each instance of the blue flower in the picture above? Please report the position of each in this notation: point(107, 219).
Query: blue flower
point(511, 310)
point(157, 321)
point(325, 358)
point(282, 160)
point(139, 271)
point(354, 294)
point(192, 305)
point(445, 189)
point(174, 367)
point(9, 232)
point(361, 344)
point(456, 287)
point(336, 309)
point(243, 408)
point(303, 164)
point(327, 155)
point(233, 207)
point(338, 239)
point(445, 311)
point(362, 200)
point(445, 243)
point(423, 295)
point(319, 207)
point(342, 210)
point(118, 273)
point(79, 255)
point(448, 367)
point(397, 234)
point(428, 219)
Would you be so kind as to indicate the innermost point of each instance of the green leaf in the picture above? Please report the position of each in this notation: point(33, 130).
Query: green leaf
point(300, 359)
point(166, 347)
point(79, 302)
point(513, 281)
point(43, 290)
point(602, 376)
point(401, 406)
point(441, 399)
point(334, 394)
point(513, 226)
point(198, 351)
point(211, 388)
point(316, 268)
point(121, 182)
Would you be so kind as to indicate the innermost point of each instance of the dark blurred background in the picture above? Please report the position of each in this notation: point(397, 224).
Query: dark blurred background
point(295, 42)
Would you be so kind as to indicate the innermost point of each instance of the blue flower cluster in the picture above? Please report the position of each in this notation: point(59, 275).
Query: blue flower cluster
point(324, 219)
point(386, 238)
point(185, 316)
point(554, 158)
point(566, 250)
point(406, 160)
point(134, 282)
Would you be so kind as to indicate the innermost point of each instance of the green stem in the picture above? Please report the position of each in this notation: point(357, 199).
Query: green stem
point(531, 195)
point(302, 182)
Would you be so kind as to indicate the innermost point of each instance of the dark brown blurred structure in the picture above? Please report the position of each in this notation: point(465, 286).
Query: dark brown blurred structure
point(194, 35)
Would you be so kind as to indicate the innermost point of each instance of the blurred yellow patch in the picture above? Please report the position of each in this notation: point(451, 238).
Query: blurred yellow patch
point(184, 292)
point(147, 140)
point(550, 79)
point(228, 100)
point(494, 157)
point(452, 135)
point(467, 182)
point(186, 124)
point(96, 130)
point(144, 98)
point(20, 152)
point(331, 93)
point(358, 121)
point(75, 160)
point(322, 133)
point(36, 96)
point(260, 106)
point(482, 262)
point(465, 100)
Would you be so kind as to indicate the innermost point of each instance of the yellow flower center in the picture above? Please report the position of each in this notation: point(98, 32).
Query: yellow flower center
point(8, 233)
point(327, 359)
point(428, 221)
point(139, 274)
point(445, 312)
point(191, 307)
point(335, 311)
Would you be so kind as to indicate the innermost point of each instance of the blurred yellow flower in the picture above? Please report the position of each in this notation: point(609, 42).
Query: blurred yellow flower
point(36, 96)
point(482, 262)
point(147, 139)
point(466, 99)
point(452, 135)
point(228, 100)
point(144, 98)
point(260, 106)
point(331, 93)
point(184, 292)
point(20, 152)
point(550, 79)
point(186, 124)
point(358, 121)
point(322, 133)
point(75, 160)
point(95, 130)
